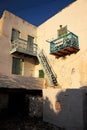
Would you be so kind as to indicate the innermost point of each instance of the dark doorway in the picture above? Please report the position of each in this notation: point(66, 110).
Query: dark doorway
point(20, 103)
point(17, 104)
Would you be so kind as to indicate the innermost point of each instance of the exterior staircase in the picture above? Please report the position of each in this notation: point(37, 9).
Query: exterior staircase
point(19, 46)
point(47, 68)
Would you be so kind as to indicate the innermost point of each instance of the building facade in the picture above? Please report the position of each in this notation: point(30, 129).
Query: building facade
point(13, 28)
point(44, 51)
point(66, 106)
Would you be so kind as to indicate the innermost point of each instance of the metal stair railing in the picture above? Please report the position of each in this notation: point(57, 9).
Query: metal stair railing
point(47, 68)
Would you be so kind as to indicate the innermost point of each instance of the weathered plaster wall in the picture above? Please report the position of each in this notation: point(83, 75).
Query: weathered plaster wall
point(70, 110)
point(69, 69)
point(7, 22)
point(1, 24)
point(29, 67)
point(63, 108)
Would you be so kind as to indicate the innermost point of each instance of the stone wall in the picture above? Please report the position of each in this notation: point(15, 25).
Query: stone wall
point(3, 103)
point(18, 102)
point(35, 106)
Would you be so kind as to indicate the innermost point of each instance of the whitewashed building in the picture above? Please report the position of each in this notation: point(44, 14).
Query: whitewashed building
point(55, 51)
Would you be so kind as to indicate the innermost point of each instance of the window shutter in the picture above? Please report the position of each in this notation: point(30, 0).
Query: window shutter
point(17, 66)
point(15, 34)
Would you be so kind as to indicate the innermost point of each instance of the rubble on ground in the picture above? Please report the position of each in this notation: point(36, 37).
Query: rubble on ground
point(26, 124)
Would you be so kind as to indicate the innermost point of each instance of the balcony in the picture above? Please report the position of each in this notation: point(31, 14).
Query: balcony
point(20, 46)
point(64, 45)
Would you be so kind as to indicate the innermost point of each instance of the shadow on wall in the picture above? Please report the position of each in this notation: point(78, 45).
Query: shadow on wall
point(66, 108)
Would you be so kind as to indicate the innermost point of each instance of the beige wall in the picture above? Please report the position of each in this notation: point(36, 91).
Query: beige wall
point(69, 70)
point(68, 113)
point(1, 24)
point(29, 67)
point(7, 22)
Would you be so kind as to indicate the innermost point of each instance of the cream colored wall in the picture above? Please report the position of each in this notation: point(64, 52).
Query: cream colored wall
point(29, 67)
point(69, 112)
point(69, 70)
point(37, 68)
point(10, 21)
point(1, 24)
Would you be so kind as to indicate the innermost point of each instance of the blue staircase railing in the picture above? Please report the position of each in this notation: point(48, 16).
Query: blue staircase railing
point(47, 68)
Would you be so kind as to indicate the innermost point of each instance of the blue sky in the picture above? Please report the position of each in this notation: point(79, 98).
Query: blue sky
point(34, 11)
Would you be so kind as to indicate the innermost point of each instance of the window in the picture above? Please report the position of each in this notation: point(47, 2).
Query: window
point(41, 74)
point(17, 66)
point(30, 42)
point(15, 34)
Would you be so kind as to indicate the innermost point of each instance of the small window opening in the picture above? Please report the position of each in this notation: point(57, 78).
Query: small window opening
point(15, 35)
point(17, 65)
point(41, 74)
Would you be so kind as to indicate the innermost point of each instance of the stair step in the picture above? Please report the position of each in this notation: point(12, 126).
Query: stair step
point(47, 68)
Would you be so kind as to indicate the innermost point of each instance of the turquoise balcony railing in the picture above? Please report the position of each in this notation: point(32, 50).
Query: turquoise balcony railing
point(21, 46)
point(64, 45)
